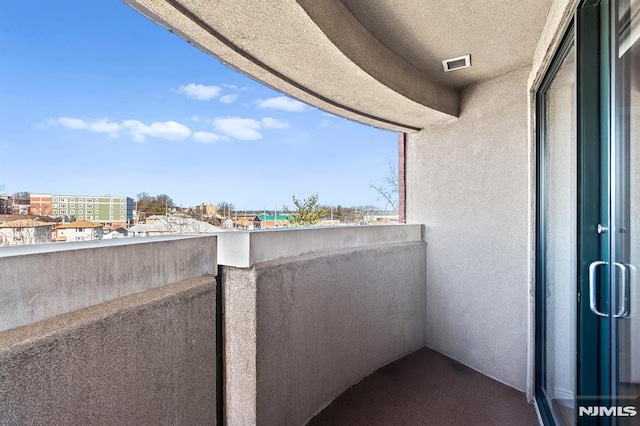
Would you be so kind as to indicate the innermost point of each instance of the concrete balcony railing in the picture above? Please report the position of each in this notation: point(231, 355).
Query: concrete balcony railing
point(109, 332)
point(125, 332)
point(309, 313)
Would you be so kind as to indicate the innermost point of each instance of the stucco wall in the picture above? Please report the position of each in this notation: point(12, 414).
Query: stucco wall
point(144, 359)
point(302, 330)
point(43, 281)
point(468, 183)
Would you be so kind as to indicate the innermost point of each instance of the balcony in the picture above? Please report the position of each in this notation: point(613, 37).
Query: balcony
point(431, 322)
point(263, 327)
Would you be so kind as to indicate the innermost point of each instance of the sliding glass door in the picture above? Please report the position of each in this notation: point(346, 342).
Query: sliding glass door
point(588, 242)
point(557, 176)
point(624, 215)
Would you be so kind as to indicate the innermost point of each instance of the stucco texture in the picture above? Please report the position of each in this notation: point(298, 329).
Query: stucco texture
point(468, 183)
point(48, 280)
point(144, 359)
point(323, 323)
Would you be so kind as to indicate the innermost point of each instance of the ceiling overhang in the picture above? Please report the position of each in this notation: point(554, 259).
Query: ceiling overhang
point(296, 49)
point(377, 62)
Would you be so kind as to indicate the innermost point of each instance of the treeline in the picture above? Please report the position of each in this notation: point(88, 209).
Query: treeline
point(153, 204)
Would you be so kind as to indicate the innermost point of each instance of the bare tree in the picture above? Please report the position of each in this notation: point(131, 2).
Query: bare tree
point(225, 209)
point(367, 213)
point(148, 204)
point(388, 189)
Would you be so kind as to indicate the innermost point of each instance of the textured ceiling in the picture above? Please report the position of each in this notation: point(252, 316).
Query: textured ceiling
point(374, 61)
point(500, 35)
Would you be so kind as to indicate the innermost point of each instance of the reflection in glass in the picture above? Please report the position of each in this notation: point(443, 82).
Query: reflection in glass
point(560, 160)
point(625, 238)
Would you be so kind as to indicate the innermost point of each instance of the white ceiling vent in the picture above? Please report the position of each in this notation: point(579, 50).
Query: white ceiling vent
point(458, 63)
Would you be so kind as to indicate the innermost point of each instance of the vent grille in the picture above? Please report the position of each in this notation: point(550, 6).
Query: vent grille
point(458, 63)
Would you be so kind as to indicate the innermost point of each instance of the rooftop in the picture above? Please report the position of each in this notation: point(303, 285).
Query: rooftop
point(25, 223)
point(80, 224)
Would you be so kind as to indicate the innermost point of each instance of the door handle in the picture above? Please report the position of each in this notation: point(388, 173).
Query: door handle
point(592, 287)
point(623, 300)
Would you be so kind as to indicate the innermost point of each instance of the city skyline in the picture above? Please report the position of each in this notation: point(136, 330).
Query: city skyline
point(97, 99)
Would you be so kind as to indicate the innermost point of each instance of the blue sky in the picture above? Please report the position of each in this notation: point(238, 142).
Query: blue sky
point(96, 99)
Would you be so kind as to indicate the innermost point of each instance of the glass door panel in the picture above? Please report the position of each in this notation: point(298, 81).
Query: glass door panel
point(558, 231)
point(588, 237)
point(624, 239)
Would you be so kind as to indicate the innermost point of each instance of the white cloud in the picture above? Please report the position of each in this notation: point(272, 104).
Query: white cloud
point(207, 137)
point(230, 86)
point(170, 130)
point(69, 123)
point(282, 103)
point(97, 126)
point(239, 128)
point(325, 123)
point(274, 123)
point(163, 130)
point(198, 119)
point(228, 99)
point(199, 91)
point(105, 126)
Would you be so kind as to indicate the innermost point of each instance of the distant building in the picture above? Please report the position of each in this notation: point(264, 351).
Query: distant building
point(330, 222)
point(383, 218)
point(206, 210)
point(20, 207)
point(40, 204)
point(116, 233)
point(111, 211)
point(5, 204)
point(25, 231)
point(172, 225)
point(246, 223)
point(269, 221)
point(81, 230)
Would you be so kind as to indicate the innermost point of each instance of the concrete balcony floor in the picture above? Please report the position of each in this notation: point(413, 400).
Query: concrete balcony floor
point(428, 388)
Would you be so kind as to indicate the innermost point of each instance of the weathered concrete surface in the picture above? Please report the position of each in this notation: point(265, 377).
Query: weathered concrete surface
point(302, 330)
point(48, 280)
point(239, 295)
point(246, 248)
point(468, 182)
point(144, 359)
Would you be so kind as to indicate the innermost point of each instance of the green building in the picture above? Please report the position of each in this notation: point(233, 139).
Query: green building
point(105, 209)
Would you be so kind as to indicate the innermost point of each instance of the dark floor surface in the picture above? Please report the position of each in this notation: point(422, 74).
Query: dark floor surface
point(427, 388)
